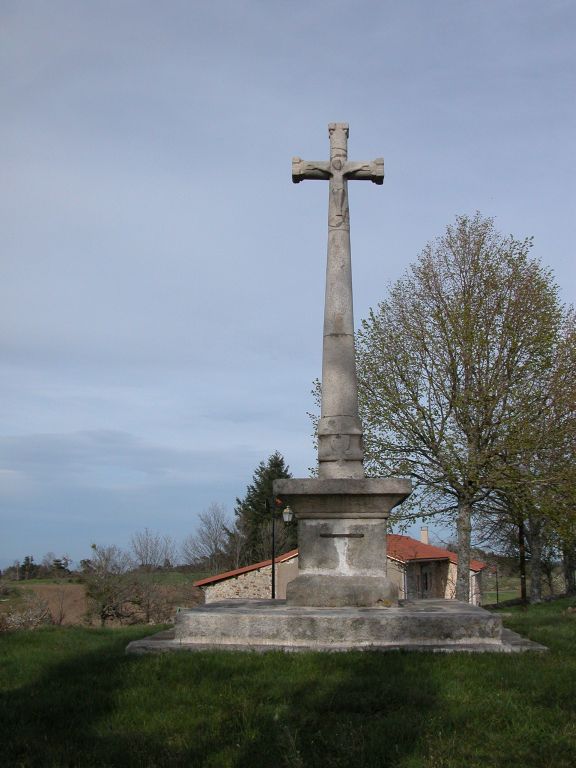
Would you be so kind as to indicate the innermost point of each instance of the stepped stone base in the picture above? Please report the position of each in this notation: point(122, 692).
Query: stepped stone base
point(261, 625)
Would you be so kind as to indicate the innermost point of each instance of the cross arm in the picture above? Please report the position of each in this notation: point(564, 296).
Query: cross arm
point(371, 171)
point(309, 169)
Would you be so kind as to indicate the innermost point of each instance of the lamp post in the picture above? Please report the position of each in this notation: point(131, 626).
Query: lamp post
point(287, 516)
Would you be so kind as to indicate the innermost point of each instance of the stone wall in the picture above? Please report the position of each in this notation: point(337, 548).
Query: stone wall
point(476, 588)
point(255, 584)
point(475, 585)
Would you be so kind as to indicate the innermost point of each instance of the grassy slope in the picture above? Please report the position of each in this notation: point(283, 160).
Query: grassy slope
point(70, 697)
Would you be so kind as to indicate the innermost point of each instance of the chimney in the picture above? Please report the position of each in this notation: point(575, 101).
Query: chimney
point(424, 536)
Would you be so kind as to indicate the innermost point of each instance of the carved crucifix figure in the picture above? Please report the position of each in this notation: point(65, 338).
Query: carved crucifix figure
point(340, 452)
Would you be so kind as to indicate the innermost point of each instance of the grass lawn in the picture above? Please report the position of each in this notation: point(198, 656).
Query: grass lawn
point(489, 597)
point(71, 697)
point(180, 577)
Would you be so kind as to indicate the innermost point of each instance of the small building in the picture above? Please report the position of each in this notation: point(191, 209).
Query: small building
point(420, 570)
point(251, 581)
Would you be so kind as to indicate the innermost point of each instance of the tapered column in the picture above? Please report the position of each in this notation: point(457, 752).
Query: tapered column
point(339, 431)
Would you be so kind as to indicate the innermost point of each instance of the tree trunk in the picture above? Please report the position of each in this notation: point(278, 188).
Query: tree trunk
point(569, 565)
point(549, 571)
point(464, 533)
point(148, 609)
point(522, 559)
point(535, 540)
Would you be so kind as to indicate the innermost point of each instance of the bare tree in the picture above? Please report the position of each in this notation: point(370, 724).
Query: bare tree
point(152, 551)
point(48, 561)
point(54, 566)
point(150, 597)
point(59, 611)
point(108, 588)
point(208, 545)
point(235, 547)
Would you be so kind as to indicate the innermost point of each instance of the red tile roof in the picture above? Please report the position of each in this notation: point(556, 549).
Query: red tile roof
point(401, 548)
point(405, 549)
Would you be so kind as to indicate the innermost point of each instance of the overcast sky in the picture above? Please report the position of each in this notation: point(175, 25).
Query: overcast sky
point(162, 278)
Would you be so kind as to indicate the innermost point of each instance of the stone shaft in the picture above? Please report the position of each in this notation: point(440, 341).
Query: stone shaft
point(340, 452)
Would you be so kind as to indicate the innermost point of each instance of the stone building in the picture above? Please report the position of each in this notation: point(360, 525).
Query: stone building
point(251, 581)
point(422, 570)
point(419, 569)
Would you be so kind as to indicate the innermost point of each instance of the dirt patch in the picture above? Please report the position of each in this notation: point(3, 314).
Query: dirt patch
point(67, 602)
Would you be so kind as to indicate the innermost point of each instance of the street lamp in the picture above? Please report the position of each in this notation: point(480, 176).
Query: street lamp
point(287, 516)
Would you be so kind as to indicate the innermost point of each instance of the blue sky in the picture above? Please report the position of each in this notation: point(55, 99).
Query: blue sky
point(162, 278)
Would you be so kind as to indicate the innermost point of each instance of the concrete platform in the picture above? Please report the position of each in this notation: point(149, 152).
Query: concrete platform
point(266, 625)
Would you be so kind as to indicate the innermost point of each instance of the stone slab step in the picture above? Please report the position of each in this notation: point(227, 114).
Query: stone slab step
point(266, 625)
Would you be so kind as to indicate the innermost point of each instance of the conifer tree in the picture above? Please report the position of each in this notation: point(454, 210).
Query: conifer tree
point(253, 521)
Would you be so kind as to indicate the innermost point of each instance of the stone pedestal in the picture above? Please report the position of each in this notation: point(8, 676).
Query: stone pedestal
point(342, 540)
point(272, 625)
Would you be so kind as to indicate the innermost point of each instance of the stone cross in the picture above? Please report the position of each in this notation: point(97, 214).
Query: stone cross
point(340, 451)
point(342, 515)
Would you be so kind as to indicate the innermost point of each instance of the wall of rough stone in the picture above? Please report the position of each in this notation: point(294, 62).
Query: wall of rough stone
point(258, 584)
point(254, 584)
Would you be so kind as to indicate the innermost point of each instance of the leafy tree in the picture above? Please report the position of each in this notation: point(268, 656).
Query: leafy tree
point(451, 367)
point(540, 489)
point(28, 569)
point(252, 517)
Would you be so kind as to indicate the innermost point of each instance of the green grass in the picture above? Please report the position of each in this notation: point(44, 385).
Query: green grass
point(179, 577)
point(509, 587)
point(489, 597)
point(71, 697)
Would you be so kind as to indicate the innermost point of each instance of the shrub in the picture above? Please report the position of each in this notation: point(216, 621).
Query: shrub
point(33, 612)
